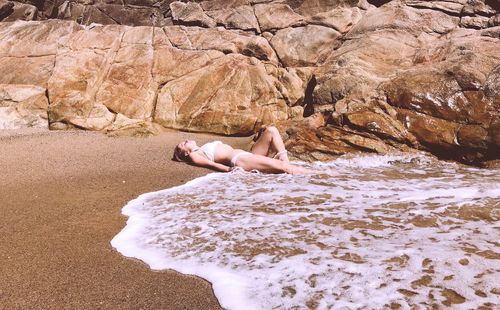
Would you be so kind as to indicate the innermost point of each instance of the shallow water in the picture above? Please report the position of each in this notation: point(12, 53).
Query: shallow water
point(367, 232)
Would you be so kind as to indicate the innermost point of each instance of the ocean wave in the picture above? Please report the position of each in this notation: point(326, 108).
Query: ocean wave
point(368, 231)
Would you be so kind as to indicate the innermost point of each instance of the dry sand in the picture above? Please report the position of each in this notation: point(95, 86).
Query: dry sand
point(61, 195)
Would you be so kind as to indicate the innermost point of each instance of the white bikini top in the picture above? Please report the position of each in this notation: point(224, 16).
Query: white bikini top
point(209, 149)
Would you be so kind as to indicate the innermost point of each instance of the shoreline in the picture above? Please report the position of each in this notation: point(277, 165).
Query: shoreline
point(61, 200)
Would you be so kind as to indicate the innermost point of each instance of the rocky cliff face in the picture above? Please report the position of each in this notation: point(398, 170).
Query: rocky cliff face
point(336, 76)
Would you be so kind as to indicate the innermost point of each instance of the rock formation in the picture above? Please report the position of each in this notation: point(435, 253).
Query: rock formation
point(336, 76)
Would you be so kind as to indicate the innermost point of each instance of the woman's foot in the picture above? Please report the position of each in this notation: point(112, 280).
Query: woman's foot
point(297, 170)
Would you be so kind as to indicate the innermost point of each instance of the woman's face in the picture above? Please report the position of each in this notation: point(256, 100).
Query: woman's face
point(187, 146)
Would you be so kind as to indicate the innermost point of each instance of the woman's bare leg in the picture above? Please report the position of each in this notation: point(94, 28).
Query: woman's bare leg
point(270, 139)
point(269, 165)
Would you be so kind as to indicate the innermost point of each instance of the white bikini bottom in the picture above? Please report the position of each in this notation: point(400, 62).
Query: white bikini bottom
point(235, 157)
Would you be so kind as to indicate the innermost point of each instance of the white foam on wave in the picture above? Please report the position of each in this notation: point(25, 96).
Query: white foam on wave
point(366, 232)
point(370, 161)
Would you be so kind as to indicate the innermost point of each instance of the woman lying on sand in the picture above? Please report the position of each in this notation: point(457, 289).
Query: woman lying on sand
point(222, 157)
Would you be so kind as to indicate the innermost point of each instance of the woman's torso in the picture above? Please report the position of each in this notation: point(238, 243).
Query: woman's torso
point(219, 152)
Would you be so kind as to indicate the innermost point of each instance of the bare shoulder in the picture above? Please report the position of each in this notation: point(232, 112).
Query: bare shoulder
point(197, 159)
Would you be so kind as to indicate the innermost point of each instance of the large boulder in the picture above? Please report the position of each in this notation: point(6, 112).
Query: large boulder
point(340, 19)
point(128, 86)
point(28, 50)
point(341, 76)
point(354, 70)
point(396, 15)
point(104, 77)
point(232, 95)
point(305, 46)
point(309, 8)
point(220, 39)
point(434, 76)
point(23, 106)
point(312, 140)
point(134, 13)
point(276, 16)
point(80, 69)
point(190, 13)
point(20, 11)
point(450, 93)
point(6, 8)
point(240, 17)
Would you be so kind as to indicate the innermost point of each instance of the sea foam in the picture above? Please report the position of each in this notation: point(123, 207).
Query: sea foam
point(366, 232)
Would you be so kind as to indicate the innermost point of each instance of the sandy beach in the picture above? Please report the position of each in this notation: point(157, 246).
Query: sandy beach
point(61, 195)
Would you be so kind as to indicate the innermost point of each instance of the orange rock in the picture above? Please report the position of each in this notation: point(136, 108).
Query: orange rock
point(23, 106)
point(336, 76)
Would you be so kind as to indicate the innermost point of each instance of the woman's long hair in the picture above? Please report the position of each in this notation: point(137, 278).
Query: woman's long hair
point(179, 155)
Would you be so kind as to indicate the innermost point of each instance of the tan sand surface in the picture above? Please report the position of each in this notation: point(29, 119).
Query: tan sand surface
point(61, 195)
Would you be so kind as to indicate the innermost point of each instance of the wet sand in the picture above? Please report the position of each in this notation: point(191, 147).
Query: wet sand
point(61, 195)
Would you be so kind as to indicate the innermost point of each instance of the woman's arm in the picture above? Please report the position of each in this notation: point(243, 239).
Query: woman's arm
point(201, 161)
